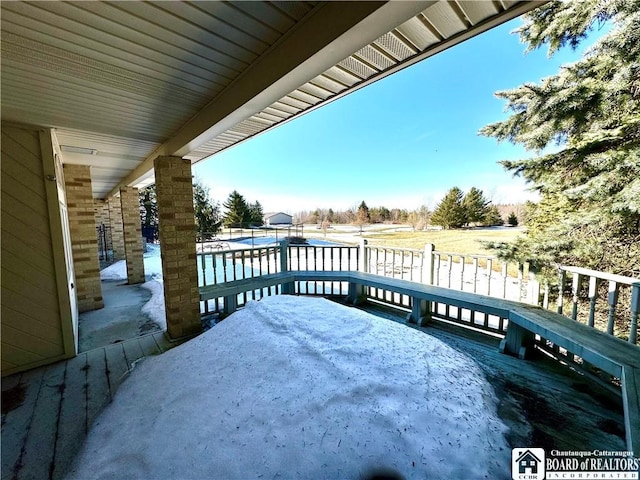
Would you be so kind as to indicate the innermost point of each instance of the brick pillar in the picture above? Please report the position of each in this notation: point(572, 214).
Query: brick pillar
point(101, 209)
point(117, 229)
point(132, 234)
point(177, 233)
point(84, 243)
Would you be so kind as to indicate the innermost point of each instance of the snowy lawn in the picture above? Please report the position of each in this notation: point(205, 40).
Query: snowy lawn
point(293, 387)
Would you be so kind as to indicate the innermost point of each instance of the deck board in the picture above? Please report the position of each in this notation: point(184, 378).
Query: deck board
point(11, 381)
point(132, 351)
point(72, 425)
point(39, 449)
point(18, 422)
point(98, 393)
point(117, 366)
point(631, 398)
point(149, 346)
point(161, 341)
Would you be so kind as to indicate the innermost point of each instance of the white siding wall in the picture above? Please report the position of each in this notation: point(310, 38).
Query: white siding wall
point(31, 323)
point(279, 219)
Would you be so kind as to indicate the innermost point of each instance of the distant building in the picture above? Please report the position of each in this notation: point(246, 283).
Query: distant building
point(277, 218)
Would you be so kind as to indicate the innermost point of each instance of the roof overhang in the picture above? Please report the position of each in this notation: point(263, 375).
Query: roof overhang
point(124, 82)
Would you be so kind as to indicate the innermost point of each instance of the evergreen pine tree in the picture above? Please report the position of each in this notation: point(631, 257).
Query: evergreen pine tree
point(512, 220)
point(237, 214)
point(256, 215)
point(148, 206)
point(449, 213)
point(362, 215)
point(206, 212)
point(589, 213)
point(492, 217)
point(475, 206)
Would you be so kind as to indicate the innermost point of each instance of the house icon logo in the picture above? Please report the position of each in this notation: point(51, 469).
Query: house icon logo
point(527, 464)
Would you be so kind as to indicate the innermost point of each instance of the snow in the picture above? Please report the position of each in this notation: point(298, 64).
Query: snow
point(293, 387)
point(115, 271)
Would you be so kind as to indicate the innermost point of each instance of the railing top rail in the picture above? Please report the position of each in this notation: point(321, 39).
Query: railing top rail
point(399, 249)
point(466, 255)
point(235, 250)
point(601, 275)
point(303, 245)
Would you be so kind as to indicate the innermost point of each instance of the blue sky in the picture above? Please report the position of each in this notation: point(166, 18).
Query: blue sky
point(400, 142)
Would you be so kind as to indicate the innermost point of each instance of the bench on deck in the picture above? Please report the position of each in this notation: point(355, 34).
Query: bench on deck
point(616, 357)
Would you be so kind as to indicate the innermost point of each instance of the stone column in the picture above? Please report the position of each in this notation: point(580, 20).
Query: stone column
point(84, 243)
point(132, 234)
point(177, 233)
point(117, 233)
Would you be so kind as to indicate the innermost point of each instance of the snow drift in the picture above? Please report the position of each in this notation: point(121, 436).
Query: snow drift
point(294, 387)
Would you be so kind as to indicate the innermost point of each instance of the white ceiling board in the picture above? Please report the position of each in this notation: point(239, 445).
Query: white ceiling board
point(440, 25)
point(477, 11)
point(445, 19)
point(133, 80)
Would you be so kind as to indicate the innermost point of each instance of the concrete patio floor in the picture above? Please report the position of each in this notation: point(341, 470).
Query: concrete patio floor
point(120, 320)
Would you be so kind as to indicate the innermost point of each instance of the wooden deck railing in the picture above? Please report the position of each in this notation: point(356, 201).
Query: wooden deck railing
point(485, 274)
point(223, 265)
point(469, 273)
point(482, 274)
point(240, 264)
point(409, 279)
point(473, 273)
point(336, 258)
point(599, 293)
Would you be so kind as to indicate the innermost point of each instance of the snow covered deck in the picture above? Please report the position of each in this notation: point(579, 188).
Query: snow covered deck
point(540, 402)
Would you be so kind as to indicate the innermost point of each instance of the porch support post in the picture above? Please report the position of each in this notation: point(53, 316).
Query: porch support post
point(177, 234)
point(517, 342)
point(428, 264)
point(420, 312)
point(132, 234)
point(364, 260)
point(356, 294)
point(287, 288)
point(84, 243)
point(117, 229)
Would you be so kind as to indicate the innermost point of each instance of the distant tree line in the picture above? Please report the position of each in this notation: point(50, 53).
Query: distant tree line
point(455, 210)
point(376, 215)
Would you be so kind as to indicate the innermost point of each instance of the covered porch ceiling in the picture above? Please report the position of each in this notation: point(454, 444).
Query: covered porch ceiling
point(124, 82)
